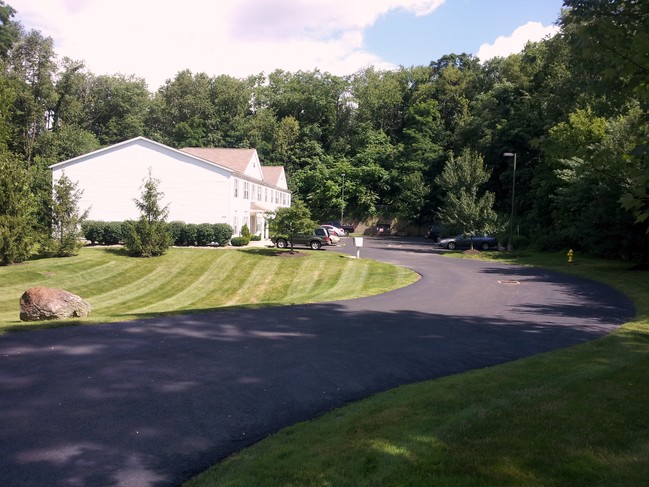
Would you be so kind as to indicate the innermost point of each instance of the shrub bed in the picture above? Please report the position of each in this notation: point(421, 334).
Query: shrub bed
point(103, 233)
point(239, 241)
point(182, 234)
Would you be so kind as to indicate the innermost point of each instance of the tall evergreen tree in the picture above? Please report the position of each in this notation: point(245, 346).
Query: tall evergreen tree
point(150, 236)
point(18, 235)
point(66, 218)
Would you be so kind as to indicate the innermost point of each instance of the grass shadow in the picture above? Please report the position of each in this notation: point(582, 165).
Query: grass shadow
point(45, 325)
point(120, 251)
point(263, 251)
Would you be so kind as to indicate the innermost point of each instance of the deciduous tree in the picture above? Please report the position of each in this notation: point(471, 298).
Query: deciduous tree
point(291, 221)
point(465, 207)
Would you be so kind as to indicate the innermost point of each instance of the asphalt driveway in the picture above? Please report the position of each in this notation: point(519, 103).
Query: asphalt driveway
point(152, 403)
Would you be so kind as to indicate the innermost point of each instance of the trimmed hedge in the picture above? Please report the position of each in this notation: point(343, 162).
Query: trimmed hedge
point(182, 234)
point(103, 233)
point(222, 233)
point(239, 241)
point(113, 233)
point(188, 235)
point(204, 234)
point(92, 231)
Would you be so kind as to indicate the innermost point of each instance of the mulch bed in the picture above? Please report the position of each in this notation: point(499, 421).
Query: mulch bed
point(291, 254)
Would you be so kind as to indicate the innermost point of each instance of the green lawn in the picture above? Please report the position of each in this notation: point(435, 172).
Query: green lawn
point(575, 417)
point(193, 280)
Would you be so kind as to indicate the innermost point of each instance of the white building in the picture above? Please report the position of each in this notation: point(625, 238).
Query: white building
point(200, 185)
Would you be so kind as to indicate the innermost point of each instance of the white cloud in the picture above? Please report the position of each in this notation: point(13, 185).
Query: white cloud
point(504, 46)
point(155, 39)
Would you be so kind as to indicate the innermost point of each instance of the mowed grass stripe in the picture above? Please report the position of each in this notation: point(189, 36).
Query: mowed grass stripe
point(105, 283)
point(120, 287)
point(349, 275)
point(283, 269)
point(123, 289)
point(62, 273)
point(196, 281)
point(238, 287)
point(94, 281)
point(15, 276)
point(247, 275)
point(212, 285)
point(267, 284)
point(305, 279)
point(178, 272)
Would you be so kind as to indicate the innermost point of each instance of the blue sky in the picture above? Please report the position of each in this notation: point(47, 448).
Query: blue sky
point(456, 26)
point(154, 39)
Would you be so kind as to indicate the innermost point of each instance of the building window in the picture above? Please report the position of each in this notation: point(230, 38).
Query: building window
point(284, 199)
point(266, 195)
point(236, 188)
point(246, 190)
point(258, 193)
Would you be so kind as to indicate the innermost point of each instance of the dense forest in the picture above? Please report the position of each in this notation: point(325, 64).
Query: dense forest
point(572, 108)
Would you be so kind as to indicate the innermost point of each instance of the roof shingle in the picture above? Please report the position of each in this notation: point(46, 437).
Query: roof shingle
point(235, 159)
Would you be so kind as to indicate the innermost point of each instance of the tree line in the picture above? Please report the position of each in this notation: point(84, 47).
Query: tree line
point(573, 108)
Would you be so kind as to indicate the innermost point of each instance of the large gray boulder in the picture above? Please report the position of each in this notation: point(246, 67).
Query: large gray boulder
point(46, 303)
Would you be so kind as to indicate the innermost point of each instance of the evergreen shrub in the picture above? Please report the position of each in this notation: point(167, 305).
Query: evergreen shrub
point(112, 233)
point(175, 228)
point(204, 234)
point(222, 233)
point(103, 233)
point(188, 234)
point(245, 231)
point(239, 241)
point(93, 231)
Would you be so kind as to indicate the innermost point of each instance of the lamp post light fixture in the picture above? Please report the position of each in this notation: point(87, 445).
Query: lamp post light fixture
point(510, 245)
point(342, 205)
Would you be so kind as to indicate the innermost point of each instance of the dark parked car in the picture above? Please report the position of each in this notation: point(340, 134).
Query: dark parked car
point(383, 229)
point(483, 242)
point(317, 239)
point(434, 231)
point(335, 223)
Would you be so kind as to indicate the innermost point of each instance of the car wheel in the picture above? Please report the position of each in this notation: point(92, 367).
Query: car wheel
point(315, 245)
point(346, 233)
point(485, 246)
point(451, 246)
point(281, 243)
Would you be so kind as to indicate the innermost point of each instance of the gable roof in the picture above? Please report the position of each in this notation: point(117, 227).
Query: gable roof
point(242, 161)
point(235, 159)
point(143, 141)
point(272, 173)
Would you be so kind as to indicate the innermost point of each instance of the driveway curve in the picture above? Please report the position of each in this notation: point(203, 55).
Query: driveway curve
point(151, 403)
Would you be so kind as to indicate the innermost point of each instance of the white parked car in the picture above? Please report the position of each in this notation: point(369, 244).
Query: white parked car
point(339, 232)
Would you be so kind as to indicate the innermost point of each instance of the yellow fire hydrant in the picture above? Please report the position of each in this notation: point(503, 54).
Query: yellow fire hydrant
point(570, 256)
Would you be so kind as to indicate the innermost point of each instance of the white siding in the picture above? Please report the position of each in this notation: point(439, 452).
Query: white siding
point(110, 179)
point(254, 168)
point(196, 190)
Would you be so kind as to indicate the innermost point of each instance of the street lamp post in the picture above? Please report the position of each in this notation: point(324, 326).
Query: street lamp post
point(510, 245)
point(342, 205)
